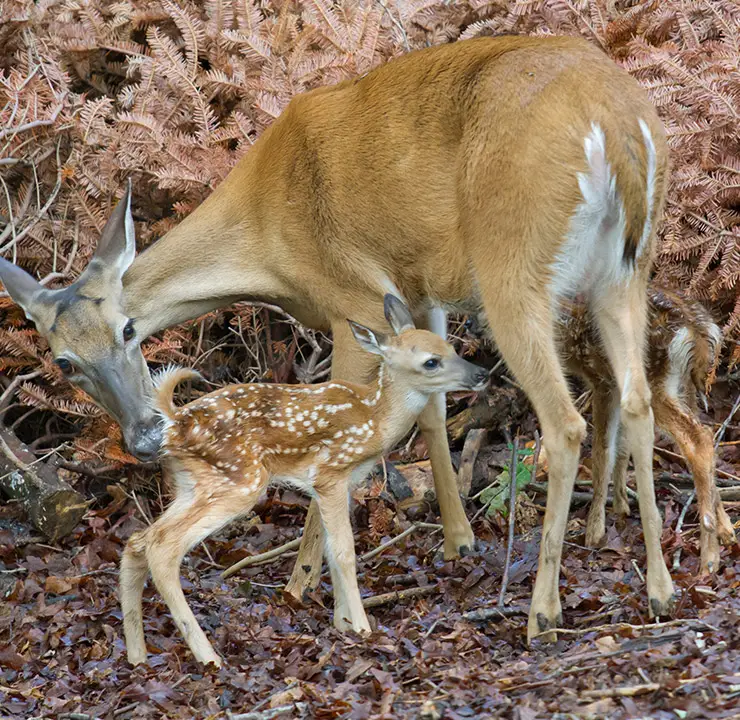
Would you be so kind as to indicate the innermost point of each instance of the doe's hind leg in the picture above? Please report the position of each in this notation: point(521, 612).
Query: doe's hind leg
point(621, 314)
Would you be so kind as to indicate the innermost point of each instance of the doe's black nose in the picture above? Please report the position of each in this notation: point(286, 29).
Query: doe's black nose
point(147, 441)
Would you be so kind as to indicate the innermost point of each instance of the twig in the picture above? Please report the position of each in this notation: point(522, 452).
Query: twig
point(723, 427)
point(434, 527)
point(615, 627)
point(261, 557)
point(398, 596)
point(17, 380)
point(270, 713)
point(35, 123)
point(638, 571)
point(512, 511)
point(494, 613)
point(679, 525)
point(672, 454)
point(628, 691)
point(470, 451)
point(264, 702)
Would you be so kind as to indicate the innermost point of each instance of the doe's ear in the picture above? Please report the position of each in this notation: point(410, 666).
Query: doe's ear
point(369, 340)
point(117, 245)
point(25, 290)
point(397, 314)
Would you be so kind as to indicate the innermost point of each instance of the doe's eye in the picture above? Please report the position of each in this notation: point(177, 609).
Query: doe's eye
point(432, 364)
point(65, 366)
point(128, 330)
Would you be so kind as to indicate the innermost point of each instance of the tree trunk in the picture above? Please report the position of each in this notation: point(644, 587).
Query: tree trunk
point(52, 506)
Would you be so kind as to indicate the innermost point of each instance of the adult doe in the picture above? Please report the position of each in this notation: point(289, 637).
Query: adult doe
point(501, 173)
point(222, 450)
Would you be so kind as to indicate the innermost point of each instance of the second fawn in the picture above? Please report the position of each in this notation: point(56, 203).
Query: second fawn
point(223, 449)
point(681, 345)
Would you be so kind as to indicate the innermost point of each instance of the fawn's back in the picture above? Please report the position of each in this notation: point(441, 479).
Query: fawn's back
point(681, 344)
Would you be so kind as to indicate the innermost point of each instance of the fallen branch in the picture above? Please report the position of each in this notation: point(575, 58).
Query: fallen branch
point(270, 713)
point(576, 497)
point(679, 525)
point(615, 627)
point(261, 557)
point(514, 464)
point(472, 446)
point(494, 613)
point(398, 596)
point(628, 691)
point(434, 527)
point(729, 493)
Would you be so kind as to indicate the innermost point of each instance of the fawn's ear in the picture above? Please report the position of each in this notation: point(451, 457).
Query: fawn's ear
point(369, 340)
point(397, 314)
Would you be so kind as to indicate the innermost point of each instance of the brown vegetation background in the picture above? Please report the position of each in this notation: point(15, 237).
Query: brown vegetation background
point(171, 94)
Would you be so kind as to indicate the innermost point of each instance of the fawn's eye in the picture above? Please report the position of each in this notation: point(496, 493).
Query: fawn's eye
point(128, 330)
point(432, 364)
point(65, 366)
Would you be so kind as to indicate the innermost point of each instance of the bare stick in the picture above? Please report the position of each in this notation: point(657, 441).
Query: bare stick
point(262, 557)
point(35, 123)
point(398, 595)
point(629, 691)
point(494, 613)
point(616, 627)
point(723, 427)
point(512, 508)
point(434, 527)
point(679, 525)
point(472, 446)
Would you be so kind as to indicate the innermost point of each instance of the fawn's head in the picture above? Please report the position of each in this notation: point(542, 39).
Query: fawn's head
point(93, 342)
point(419, 359)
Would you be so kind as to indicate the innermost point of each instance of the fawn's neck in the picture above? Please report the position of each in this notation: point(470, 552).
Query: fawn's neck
point(394, 406)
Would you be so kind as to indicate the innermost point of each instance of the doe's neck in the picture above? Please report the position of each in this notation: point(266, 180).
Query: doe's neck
point(217, 255)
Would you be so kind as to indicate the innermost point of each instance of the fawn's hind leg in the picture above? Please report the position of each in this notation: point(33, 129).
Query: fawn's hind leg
point(605, 447)
point(621, 313)
point(201, 507)
point(696, 444)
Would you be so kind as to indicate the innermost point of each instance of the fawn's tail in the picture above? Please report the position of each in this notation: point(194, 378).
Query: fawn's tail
point(165, 382)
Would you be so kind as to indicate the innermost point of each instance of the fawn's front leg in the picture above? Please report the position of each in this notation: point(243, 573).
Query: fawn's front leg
point(332, 496)
point(351, 364)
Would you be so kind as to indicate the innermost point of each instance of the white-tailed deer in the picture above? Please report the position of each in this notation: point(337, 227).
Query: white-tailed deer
point(222, 450)
point(682, 342)
point(505, 173)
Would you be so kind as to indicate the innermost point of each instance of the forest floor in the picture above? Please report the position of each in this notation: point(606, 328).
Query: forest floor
point(62, 653)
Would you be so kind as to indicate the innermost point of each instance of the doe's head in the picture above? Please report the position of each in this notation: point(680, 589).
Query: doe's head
point(94, 342)
point(419, 358)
